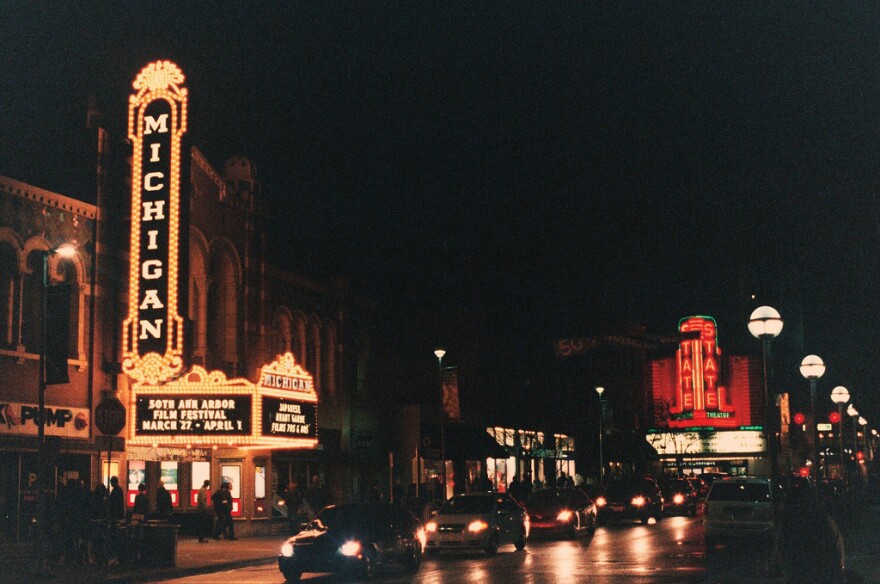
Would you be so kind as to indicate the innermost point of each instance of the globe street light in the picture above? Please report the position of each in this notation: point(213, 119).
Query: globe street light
point(852, 412)
point(599, 390)
point(812, 367)
point(840, 395)
point(439, 353)
point(766, 324)
point(65, 250)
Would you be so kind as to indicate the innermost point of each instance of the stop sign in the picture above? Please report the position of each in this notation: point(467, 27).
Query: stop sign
point(110, 416)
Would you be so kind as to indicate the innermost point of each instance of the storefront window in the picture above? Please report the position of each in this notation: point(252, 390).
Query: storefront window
point(259, 482)
point(109, 468)
point(231, 473)
point(137, 474)
point(168, 476)
point(201, 472)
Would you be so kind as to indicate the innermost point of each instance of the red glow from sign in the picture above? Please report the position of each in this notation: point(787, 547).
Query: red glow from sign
point(834, 417)
point(699, 398)
point(799, 418)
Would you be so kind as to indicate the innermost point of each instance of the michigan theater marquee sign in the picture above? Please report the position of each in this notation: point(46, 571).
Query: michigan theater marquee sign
point(169, 404)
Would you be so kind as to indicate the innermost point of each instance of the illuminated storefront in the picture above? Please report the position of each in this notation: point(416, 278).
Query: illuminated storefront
point(707, 405)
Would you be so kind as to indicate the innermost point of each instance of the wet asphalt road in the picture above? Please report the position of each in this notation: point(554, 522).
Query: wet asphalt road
point(671, 551)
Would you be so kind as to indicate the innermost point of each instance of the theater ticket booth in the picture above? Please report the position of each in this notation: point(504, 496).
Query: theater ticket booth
point(203, 426)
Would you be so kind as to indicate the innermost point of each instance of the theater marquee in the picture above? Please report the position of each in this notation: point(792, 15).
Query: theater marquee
point(206, 408)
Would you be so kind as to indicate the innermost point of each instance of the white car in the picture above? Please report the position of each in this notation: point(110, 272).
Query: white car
point(741, 507)
point(478, 521)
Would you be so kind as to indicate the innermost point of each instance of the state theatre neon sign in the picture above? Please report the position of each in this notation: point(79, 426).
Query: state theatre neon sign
point(153, 331)
point(699, 396)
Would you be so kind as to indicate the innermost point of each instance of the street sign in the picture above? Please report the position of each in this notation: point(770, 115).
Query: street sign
point(114, 443)
point(110, 416)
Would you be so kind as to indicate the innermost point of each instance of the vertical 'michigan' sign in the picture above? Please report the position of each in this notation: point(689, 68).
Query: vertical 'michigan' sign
point(153, 331)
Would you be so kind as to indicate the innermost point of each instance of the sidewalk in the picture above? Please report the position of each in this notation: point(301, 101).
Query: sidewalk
point(192, 558)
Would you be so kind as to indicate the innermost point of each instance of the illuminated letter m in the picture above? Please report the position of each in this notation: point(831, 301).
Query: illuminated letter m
point(160, 125)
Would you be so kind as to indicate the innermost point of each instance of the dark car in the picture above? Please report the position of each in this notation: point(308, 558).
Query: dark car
point(356, 537)
point(565, 512)
point(679, 497)
point(631, 498)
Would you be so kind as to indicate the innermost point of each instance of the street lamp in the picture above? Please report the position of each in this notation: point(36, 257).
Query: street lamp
point(766, 324)
point(840, 395)
point(65, 250)
point(852, 412)
point(599, 390)
point(812, 367)
point(439, 353)
point(862, 422)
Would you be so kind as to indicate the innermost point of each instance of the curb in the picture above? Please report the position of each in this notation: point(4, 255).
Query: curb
point(175, 572)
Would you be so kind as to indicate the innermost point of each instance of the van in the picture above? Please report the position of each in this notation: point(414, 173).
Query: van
point(741, 507)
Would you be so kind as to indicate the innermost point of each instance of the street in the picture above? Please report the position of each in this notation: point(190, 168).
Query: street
point(671, 551)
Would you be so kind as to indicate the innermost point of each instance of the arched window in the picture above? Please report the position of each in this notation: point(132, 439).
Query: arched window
point(198, 297)
point(8, 284)
point(313, 352)
point(282, 326)
point(31, 302)
point(222, 325)
point(328, 359)
point(64, 272)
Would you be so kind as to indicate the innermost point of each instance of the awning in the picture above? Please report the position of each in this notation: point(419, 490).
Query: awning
point(463, 442)
point(627, 447)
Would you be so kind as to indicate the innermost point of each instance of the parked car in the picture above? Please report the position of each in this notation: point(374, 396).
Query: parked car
point(700, 486)
point(741, 507)
point(482, 521)
point(355, 537)
point(631, 498)
point(679, 497)
point(565, 512)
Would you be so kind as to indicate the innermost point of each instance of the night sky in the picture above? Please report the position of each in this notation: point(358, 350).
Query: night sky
point(499, 176)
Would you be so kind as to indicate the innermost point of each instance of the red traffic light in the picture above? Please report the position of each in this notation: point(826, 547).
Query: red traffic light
point(834, 417)
point(860, 456)
point(799, 418)
point(804, 471)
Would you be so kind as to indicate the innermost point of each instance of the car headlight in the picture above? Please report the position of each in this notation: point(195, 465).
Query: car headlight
point(431, 526)
point(564, 515)
point(678, 498)
point(350, 548)
point(638, 501)
point(423, 539)
point(601, 502)
point(478, 526)
point(287, 549)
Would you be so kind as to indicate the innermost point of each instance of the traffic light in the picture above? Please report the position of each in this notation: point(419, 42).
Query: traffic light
point(860, 456)
point(799, 418)
point(834, 417)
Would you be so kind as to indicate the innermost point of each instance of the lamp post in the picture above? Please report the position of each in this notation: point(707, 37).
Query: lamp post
point(766, 324)
point(65, 250)
point(439, 353)
point(812, 367)
point(852, 412)
point(599, 390)
point(840, 395)
point(862, 422)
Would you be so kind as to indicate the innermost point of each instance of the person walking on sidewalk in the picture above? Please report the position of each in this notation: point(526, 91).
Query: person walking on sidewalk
point(164, 506)
point(222, 499)
point(204, 518)
point(116, 501)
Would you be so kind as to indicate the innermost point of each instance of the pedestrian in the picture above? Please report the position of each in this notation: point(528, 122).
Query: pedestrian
point(205, 522)
point(116, 501)
point(525, 488)
point(141, 505)
point(515, 488)
point(578, 479)
point(315, 494)
point(293, 499)
point(163, 502)
point(99, 502)
point(222, 500)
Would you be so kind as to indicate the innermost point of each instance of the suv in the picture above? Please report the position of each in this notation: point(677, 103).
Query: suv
point(631, 498)
point(741, 507)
